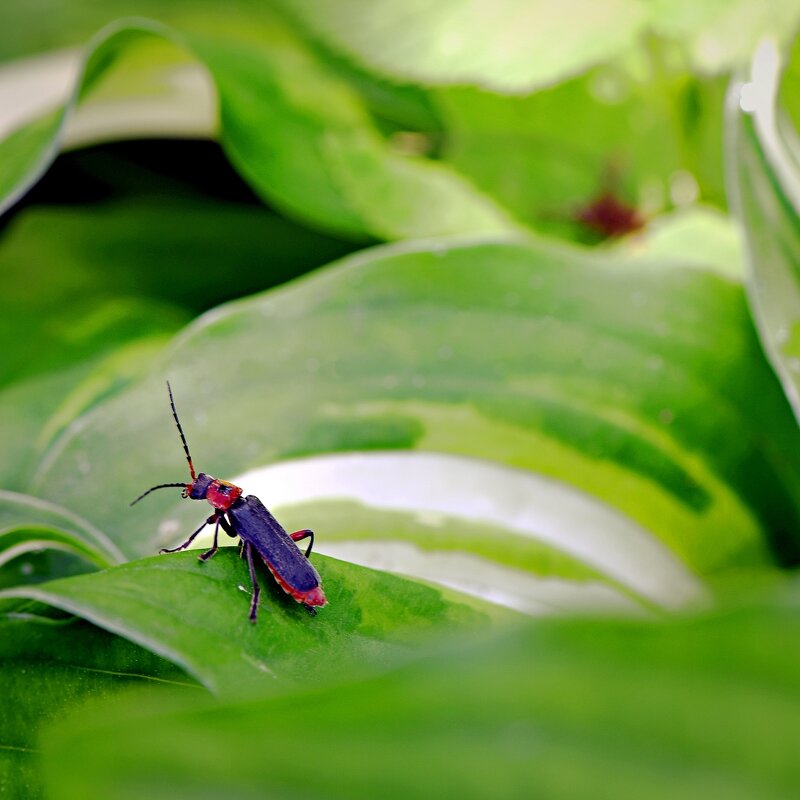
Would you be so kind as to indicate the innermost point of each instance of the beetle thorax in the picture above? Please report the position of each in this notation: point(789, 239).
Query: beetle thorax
point(223, 495)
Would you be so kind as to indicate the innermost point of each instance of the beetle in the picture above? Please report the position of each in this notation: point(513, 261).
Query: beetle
point(259, 532)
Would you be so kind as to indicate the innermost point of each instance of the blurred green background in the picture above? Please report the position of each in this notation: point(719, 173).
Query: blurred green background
point(498, 298)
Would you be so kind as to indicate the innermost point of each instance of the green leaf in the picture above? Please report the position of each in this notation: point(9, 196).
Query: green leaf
point(764, 172)
point(49, 666)
point(295, 130)
point(304, 140)
point(472, 555)
point(42, 332)
point(698, 236)
point(173, 251)
point(19, 512)
point(646, 133)
point(701, 707)
point(84, 338)
point(24, 155)
point(22, 540)
point(34, 411)
point(56, 26)
point(623, 383)
point(789, 94)
point(516, 46)
point(505, 535)
point(511, 46)
point(196, 615)
point(439, 43)
point(721, 34)
point(96, 328)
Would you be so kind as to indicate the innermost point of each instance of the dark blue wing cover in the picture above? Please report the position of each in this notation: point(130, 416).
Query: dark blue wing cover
point(253, 522)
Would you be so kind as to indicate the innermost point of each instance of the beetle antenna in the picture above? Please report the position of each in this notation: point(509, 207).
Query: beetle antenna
point(180, 431)
point(160, 486)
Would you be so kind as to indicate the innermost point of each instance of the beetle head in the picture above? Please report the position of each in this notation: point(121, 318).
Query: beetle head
point(198, 488)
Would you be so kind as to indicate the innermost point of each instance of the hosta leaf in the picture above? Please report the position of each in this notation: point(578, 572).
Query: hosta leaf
point(296, 131)
point(764, 171)
point(50, 663)
point(447, 39)
point(97, 327)
point(721, 35)
point(21, 513)
point(789, 96)
point(196, 615)
point(332, 166)
point(651, 140)
point(154, 243)
point(25, 540)
point(700, 236)
point(40, 335)
point(625, 384)
point(40, 541)
point(24, 155)
point(57, 26)
point(511, 46)
point(35, 410)
point(702, 707)
point(517, 46)
point(49, 666)
point(505, 534)
point(70, 345)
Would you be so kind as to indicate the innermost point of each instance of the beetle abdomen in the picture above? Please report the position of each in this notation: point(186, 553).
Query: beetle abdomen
point(313, 597)
point(292, 570)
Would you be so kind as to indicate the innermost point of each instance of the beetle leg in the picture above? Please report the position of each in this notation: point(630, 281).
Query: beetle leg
point(227, 527)
point(190, 539)
point(208, 553)
point(298, 536)
point(256, 589)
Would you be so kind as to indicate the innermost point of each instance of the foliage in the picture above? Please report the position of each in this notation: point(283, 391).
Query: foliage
point(531, 383)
